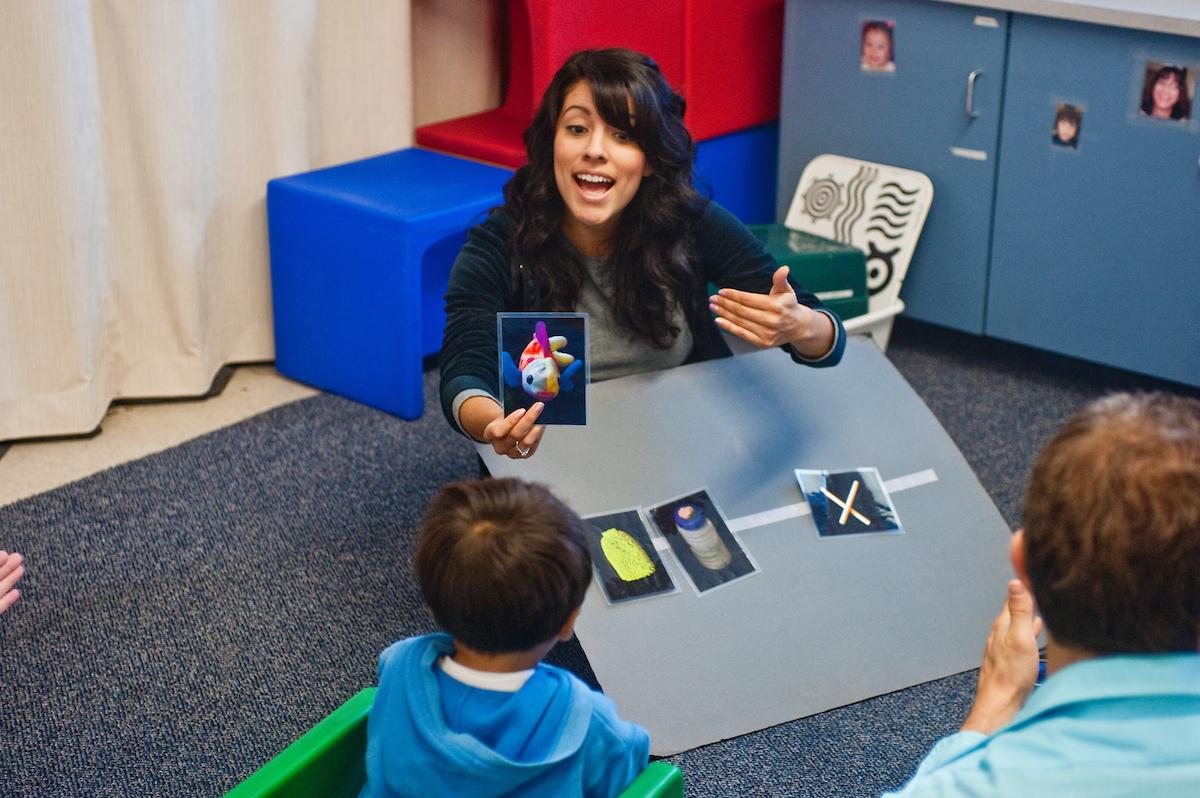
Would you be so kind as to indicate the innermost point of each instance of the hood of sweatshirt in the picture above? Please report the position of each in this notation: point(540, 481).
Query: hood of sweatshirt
point(413, 750)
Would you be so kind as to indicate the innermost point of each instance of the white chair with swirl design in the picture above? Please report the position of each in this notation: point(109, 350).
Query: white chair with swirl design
point(878, 208)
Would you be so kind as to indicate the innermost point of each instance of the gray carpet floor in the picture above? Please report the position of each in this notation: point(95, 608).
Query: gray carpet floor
point(187, 615)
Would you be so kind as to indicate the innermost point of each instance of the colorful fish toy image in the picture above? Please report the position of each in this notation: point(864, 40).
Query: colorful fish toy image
point(543, 371)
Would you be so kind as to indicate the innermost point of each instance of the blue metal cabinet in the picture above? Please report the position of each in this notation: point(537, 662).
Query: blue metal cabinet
point(915, 117)
point(1096, 250)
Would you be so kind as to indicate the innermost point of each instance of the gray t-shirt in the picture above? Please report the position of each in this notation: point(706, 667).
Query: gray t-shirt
point(615, 351)
point(612, 350)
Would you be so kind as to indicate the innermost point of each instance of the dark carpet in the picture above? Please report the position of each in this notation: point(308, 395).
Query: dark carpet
point(187, 615)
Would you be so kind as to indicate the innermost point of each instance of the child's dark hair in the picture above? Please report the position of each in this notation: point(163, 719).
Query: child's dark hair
point(883, 27)
point(1068, 112)
point(502, 563)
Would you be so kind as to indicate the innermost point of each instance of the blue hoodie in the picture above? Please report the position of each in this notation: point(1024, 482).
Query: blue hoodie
point(429, 734)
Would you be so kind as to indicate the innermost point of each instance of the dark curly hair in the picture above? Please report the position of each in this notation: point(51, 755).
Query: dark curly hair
point(650, 254)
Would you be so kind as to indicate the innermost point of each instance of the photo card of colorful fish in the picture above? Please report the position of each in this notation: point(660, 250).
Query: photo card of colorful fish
point(624, 558)
point(544, 358)
point(711, 554)
point(852, 502)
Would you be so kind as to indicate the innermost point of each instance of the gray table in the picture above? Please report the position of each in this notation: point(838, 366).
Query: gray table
point(827, 621)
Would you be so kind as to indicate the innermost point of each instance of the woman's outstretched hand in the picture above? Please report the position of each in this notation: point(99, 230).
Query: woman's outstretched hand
point(773, 319)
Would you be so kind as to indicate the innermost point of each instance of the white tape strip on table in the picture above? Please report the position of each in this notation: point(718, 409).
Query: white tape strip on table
point(801, 508)
point(915, 480)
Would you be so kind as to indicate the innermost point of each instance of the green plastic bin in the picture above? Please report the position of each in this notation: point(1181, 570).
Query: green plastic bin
point(329, 762)
point(835, 272)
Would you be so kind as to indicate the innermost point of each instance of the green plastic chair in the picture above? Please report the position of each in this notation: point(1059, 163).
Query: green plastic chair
point(329, 762)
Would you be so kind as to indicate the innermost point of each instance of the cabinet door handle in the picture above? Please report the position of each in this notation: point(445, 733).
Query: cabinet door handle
point(971, 112)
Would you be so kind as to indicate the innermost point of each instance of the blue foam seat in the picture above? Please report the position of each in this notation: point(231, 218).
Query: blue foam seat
point(360, 257)
point(739, 169)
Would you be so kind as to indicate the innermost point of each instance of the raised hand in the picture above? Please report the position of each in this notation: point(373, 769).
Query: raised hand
point(1010, 663)
point(774, 318)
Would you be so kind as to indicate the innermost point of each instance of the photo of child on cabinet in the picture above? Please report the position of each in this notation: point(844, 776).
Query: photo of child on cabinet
point(1067, 120)
point(878, 46)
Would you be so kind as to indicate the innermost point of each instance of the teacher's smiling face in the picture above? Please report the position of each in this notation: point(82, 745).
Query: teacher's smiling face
point(597, 168)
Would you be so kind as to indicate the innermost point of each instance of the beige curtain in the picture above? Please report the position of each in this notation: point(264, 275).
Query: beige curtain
point(457, 63)
point(136, 140)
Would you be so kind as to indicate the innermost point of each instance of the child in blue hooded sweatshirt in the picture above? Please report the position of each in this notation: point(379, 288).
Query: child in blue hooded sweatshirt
point(503, 566)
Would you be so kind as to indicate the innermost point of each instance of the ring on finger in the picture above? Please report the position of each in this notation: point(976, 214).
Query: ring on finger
point(522, 451)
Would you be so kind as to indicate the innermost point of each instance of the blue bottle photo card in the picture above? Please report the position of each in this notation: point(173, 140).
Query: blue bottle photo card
point(712, 556)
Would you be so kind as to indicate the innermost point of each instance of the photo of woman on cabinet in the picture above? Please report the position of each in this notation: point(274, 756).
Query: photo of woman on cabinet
point(878, 46)
point(1166, 93)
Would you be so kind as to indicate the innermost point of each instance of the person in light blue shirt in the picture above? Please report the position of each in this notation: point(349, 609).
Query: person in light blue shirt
point(1110, 551)
point(503, 566)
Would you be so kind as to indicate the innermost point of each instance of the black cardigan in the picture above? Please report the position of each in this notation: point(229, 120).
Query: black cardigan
point(487, 279)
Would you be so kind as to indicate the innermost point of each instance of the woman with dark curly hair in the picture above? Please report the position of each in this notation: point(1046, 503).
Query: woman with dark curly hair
point(1166, 97)
point(604, 220)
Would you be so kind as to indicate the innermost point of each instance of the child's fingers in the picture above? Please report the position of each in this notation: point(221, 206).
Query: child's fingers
point(7, 582)
point(10, 562)
point(9, 599)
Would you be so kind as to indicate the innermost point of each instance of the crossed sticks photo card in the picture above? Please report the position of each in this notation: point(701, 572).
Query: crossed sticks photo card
point(853, 502)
